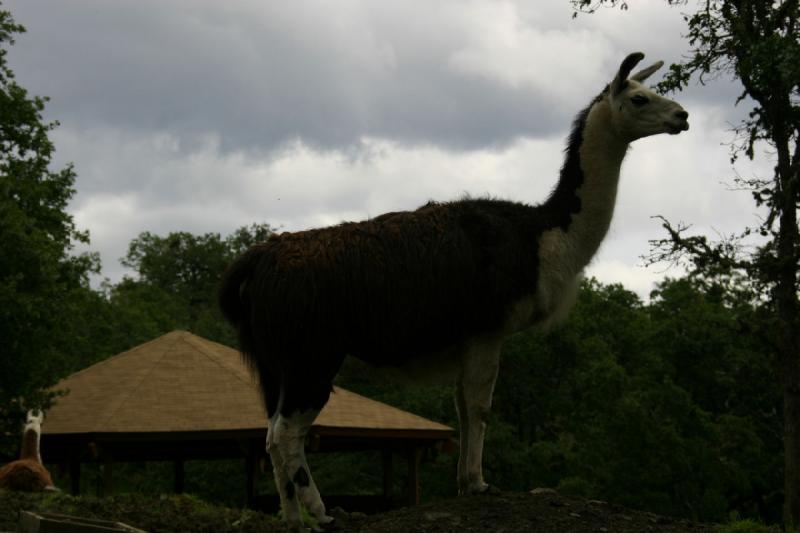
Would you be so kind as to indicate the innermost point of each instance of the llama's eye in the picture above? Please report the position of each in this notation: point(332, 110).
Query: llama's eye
point(639, 100)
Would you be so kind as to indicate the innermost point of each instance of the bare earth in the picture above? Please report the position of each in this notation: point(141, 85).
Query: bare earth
point(510, 512)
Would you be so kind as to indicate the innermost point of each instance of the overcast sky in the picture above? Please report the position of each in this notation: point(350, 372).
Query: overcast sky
point(205, 116)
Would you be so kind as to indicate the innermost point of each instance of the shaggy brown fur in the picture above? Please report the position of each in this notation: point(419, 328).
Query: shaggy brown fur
point(26, 473)
point(398, 286)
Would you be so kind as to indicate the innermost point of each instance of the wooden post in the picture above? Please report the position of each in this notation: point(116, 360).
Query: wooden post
point(75, 475)
point(178, 476)
point(250, 466)
point(108, 475)
point(388, 475)
point(414, 455)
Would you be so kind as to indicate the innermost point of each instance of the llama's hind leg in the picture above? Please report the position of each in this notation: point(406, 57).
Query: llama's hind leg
point(283, 484)
point(474, 390)
point(291, 441)
point(272, 385)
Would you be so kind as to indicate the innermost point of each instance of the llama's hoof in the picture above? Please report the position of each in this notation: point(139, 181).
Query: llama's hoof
point(491, 489)
point(324, 523)
point(482, 488)
point(339, 514)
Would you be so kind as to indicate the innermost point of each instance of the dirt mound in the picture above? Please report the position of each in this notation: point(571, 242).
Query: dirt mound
point(541, 511)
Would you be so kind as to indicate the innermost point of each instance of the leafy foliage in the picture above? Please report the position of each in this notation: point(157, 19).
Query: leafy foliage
point(41, 280)
point(758, 44)
point(670, 406)
point(177, 279)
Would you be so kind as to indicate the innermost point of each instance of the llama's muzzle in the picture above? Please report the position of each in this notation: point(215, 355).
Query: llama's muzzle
point(679, 124)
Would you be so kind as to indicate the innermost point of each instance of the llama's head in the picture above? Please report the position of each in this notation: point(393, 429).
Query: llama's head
point(34, 420)
point(636, 110)
point(31, 435)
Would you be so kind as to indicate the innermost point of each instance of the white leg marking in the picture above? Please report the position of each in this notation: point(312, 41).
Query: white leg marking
point(290, 439)
point(476, 383)
point(289, 504)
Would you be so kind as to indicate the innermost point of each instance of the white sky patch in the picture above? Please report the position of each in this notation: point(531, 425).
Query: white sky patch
point(299, 188)
point(683, 179)
point(503, 47)
point(636, 278)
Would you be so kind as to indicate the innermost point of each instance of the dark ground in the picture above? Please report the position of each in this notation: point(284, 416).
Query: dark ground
point(510, 512)
point(506, 512)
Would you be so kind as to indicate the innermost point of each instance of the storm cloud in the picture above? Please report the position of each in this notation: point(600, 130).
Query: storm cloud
point(206, 116)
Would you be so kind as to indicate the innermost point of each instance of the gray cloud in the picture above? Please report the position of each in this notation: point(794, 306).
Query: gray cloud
point(261, 74)
point(206, 116)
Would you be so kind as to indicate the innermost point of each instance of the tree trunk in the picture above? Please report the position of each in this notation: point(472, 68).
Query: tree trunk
point(790, 369)
point(789, 342)
point(791, 406)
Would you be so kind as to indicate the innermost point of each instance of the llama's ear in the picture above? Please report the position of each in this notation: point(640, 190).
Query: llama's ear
point(646, 72)
point(624, 69)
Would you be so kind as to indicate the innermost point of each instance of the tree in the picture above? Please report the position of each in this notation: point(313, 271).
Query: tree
point(39, 278)
point(625, 402)
point(603, 413)
point(177, 282)
point(712, 342)
point(758, 43)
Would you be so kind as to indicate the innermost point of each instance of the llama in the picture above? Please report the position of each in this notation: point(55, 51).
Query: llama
point(28, 472)
point(445, 283)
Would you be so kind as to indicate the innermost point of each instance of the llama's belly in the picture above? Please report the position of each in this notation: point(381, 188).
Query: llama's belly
point(550, 305)
point(441, 367)
point(555, 302)
point(562, 260)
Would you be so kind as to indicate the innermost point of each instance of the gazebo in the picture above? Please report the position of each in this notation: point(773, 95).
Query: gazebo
point(181, 397)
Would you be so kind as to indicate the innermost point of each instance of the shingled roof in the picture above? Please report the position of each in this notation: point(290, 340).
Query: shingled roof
point(180, 382)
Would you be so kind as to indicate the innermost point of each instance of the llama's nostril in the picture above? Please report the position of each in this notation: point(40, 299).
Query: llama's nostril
point(683, 115)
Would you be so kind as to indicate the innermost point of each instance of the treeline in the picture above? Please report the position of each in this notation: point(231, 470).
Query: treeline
point(54, 323)
point(670, 405)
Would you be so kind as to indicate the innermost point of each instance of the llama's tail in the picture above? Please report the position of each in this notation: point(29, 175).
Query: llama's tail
point(232, 297)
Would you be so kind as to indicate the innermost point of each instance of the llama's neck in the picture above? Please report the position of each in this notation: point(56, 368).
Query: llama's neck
point(30, 443)
point(601, 155)
point(587, 190)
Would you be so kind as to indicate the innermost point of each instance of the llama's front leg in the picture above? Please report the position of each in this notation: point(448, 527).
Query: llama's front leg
point(291, 440)
point(474, 399)
point(283, 484)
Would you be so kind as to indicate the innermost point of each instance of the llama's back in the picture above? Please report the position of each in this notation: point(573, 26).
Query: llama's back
point(25, 475)
point(399, 285)
point(28, 473)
